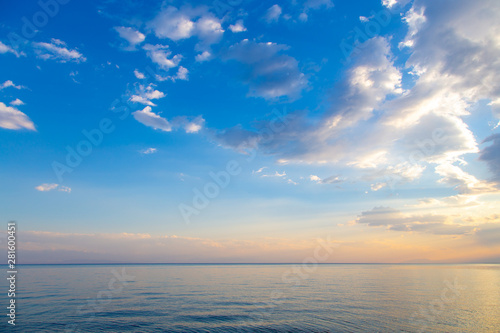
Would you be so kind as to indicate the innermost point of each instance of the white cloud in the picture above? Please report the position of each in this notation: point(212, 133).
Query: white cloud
point(328, 180)
point(160, 55)
point(393, 134)
point(8, 84)
point(237, 27)
point(132, 36)
point(148, 151)
point(259, 171)
point(50, 187)
point(17, 102)
point(272, 75)
point(314, 178)
point(186, 22)
point(275, 174)
point(139, 75)
point(329, 139)
point(151, 119)
point(173, 24)
point(273, 14)
point(209, 30)
point(182, 74)
point(203, 56)
point(394, 3)
point(57, 50)
point(12, 118)
point(144, 95)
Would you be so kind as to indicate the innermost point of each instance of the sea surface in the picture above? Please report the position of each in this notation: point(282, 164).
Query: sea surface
point(256, 298)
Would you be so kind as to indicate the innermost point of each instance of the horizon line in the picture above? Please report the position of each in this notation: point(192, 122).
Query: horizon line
point(263, 263)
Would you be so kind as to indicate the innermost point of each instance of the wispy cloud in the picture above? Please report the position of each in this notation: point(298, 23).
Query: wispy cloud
point(148, 151)
point(57, 50)
point(8, 84)
point(273, 14)
point(7, 49)
point(51, 187)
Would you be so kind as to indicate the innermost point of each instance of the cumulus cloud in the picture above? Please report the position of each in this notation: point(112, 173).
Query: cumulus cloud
point(203, 56)
point(139, 75)
point(12, 118)
point(50, 187)
point(237, 27)
point(173, 24)
point(270, 74)
point(454, 61)
point(57, 50)
point(132, 36)
point(186, 22)
point(461, 47)
point(17, 102)
point(144, 95)
point(364, 88)
point(209, 31)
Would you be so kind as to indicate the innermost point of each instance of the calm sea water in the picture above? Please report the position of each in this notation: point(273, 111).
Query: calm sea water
point(257, 298)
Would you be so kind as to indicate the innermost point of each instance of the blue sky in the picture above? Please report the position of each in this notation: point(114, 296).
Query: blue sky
point(372, 123)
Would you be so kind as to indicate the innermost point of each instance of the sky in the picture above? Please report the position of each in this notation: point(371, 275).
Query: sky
point(247, 131)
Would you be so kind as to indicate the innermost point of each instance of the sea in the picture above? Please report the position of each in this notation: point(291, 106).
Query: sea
point(255, 298)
